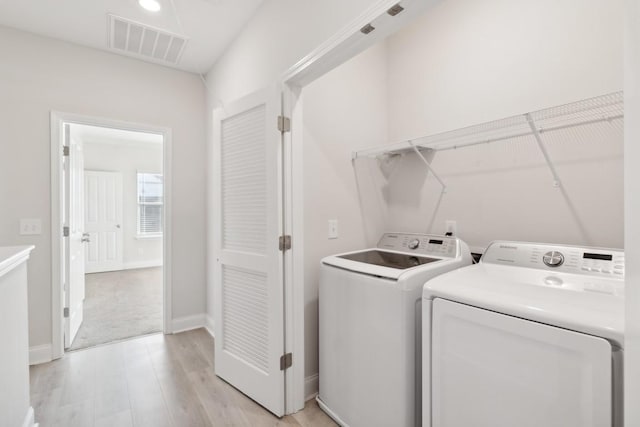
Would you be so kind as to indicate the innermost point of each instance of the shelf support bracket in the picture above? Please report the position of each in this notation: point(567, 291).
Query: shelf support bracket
point(543, 149)
point(429, 168)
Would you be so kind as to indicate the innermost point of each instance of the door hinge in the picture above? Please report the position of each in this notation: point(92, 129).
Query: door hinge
point(286, 360)
point(65, 150)
point(284, 124)
point(65, 313)
point(65, 231)
point(284, 243)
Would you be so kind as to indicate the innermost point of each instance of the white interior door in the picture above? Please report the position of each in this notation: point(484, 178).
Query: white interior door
point(492, 370)
point(74, 243)
point(248, 269)
point(103, 220)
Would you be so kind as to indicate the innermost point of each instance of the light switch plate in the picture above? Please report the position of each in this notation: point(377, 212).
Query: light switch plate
point(30, 226)
point(333, 229)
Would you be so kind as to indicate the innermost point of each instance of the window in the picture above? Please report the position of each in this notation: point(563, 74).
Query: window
point(149, 204)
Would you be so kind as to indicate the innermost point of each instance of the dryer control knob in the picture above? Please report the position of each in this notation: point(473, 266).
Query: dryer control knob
point(413, 244)
point(553, 259)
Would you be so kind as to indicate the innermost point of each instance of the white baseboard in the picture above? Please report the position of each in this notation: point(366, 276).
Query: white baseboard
point(311, 385)
point(188, 323)
point(209, 325)
point(142, 264)
point(29, 420)
point(40, 354)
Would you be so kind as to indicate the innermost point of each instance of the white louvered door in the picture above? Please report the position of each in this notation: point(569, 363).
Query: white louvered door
point(248, 265)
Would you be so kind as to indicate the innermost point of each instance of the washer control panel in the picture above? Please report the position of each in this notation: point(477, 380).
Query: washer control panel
point(567, 259)
point(420, 244)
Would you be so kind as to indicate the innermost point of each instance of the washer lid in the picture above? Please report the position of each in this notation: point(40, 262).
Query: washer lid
point(397, 253)
point(388, 259)
point(587, 304)
point(374, 262)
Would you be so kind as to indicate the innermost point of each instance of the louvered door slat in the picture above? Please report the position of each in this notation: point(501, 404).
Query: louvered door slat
point(243, 184)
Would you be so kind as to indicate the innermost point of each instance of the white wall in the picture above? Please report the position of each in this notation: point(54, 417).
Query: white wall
point(38, 75)
point(467, 62)
point(632, 213)
point(357, 92)
point(280, 34)
point(129, 159)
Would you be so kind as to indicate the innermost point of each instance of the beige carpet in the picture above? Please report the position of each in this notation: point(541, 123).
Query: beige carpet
point(120, 304)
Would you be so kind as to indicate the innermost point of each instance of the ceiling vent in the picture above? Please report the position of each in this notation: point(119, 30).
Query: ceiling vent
point(142, 41)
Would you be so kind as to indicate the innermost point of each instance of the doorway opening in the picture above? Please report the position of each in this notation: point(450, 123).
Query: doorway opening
point(110, 254)
point(120, 202)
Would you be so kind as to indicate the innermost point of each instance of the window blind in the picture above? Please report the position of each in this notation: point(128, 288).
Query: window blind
point(150, 203)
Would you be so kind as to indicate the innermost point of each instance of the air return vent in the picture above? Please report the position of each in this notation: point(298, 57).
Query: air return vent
point(139, 40)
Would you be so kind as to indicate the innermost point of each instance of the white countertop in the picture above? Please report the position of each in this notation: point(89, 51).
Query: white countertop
point(12, 256)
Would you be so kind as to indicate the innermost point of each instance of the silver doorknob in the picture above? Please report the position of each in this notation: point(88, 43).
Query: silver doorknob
point(85, 238)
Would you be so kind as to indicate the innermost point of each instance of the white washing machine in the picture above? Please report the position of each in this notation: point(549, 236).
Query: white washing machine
point(370, 320)
point(531, 336)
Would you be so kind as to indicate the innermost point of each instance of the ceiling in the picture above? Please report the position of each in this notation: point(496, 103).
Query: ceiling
point(102, 135)
point(209, 25)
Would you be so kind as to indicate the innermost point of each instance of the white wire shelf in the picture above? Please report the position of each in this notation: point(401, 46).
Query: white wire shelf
point(589, 111)
point(605, 108)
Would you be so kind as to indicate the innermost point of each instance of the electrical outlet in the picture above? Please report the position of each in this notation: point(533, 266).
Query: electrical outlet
point(451, 226)
point(30, 226)
point(333, 229)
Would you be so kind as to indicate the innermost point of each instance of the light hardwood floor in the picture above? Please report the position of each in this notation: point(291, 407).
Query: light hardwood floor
point(156, 380)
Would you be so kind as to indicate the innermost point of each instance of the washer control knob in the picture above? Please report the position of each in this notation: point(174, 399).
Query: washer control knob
point(413, 244)
point(553, 259)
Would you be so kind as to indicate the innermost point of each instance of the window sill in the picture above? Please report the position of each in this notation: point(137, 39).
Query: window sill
point(148, 236)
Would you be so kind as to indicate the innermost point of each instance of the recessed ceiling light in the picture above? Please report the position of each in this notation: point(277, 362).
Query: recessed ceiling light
point(150, 5)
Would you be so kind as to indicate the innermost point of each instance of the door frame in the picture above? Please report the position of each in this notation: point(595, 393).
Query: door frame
point(57, 203)
point(632, 207)
point(338, 49)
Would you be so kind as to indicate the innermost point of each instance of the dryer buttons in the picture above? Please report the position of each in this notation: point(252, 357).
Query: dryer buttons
point(553, 259)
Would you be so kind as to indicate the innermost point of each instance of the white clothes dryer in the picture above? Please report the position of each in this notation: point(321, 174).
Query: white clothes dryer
point(531, 336)
point(370, 320)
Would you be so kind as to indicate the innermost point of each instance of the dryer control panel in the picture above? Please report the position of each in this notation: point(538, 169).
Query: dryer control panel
point(420, 244)
point(566, 259)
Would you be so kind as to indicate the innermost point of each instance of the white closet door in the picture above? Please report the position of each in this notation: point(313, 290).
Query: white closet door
point(493, 370)
point(103, 221)
point(248, 270)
